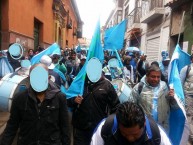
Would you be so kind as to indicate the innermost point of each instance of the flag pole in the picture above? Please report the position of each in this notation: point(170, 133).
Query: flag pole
point(118, 57)
point(182, 20)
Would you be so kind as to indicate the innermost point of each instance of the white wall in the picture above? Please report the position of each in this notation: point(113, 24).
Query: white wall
point(131, 5)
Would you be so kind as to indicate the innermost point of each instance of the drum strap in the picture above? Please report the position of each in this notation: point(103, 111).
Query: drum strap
point(140, 87)
point(13, 74)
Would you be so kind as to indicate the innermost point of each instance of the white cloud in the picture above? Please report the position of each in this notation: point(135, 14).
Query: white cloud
point(90, 10)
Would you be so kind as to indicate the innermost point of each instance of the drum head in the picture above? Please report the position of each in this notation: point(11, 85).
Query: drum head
point(39, 79)
point(94, 69)
point(113, 62)
point(117, 84)
point(25, 63)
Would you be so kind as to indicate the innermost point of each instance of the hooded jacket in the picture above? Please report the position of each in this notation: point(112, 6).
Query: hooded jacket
point(44, 123)
point(145, 100)
point(100, 99)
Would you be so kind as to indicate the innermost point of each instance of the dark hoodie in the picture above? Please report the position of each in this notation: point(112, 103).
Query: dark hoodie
point(45, 123)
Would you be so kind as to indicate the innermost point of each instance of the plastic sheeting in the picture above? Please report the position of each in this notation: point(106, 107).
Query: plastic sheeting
point(5, 66)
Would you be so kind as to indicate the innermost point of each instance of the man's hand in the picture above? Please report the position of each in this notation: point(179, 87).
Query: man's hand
point(78, 99)
point(171, 93)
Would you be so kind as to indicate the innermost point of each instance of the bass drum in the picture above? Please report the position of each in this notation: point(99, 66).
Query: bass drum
point(123, 90)
point(10, 84)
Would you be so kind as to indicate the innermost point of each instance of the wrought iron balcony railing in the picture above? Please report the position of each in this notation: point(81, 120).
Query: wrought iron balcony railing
point(155, 4)
point(150, 5)
point(134, 17)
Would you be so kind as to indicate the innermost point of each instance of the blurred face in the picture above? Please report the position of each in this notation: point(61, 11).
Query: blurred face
point(31, 52)
point(55, 60)
point(73, 56)
point(82, 61)
point(166, 63)
point(128, 61)
point(192, 60)
point(154, 78)
point(143, 57)
point(132, 133)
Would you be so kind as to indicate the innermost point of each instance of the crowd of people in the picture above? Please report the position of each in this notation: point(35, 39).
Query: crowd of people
point(40, 114)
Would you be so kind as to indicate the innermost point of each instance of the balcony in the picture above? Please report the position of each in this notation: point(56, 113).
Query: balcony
point(58, 7)
point(134, 19)
point(59, 12)
point(69, 23)
point(79, 34)
point(152, 10)
point(79, 31)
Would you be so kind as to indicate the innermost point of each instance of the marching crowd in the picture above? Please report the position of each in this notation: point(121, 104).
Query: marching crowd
point(41, 115)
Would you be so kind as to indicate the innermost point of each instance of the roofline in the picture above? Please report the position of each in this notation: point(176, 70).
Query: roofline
point(75, 7)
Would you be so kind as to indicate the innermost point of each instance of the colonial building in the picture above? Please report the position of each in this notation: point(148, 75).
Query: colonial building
point(155, 37)
point(39, 22)
point(148, 25)
point(177, 33)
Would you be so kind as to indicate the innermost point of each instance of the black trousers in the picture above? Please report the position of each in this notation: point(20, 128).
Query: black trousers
point(82, 137)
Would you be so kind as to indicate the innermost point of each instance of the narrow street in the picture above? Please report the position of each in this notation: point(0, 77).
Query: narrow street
point(68, 65)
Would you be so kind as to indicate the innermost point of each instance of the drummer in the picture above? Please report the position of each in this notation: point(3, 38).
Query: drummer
point(40, 113)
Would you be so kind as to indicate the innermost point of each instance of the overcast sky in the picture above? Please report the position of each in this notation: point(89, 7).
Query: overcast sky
point(90, 10)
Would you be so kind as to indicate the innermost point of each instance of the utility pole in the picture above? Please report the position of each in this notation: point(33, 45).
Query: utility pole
point(182, 20)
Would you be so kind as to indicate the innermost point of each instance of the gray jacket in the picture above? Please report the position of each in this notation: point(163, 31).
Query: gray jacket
point(145, 100)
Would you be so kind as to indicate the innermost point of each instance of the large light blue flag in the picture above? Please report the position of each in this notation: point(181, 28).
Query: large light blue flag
point(107, 34)
point(114, 37)
point(52, 49)
point(95, 50)
point(178, 128)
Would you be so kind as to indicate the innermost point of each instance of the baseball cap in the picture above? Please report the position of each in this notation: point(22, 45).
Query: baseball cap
point(165, 55)
point(55, 56)
point(83, 58)
point(46, 60)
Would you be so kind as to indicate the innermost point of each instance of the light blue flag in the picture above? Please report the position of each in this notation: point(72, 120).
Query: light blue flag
point(107, 34)
point(114, 37)
point(52, 49)
point(177, 116)
point(95, 50)
point(78, 49)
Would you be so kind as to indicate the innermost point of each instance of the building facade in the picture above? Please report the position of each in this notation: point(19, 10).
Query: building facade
point(155, 37)
point(148, 26)
point(182, 33)
point(34, 23)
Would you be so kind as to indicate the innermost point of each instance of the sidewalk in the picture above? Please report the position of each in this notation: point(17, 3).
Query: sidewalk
point(4, 116)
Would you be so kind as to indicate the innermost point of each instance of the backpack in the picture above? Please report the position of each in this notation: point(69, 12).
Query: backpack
point(110, 127)
point(188, 70)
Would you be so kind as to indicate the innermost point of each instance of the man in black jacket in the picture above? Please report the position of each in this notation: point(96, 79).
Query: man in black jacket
point(99, 99)
point(40, 113)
